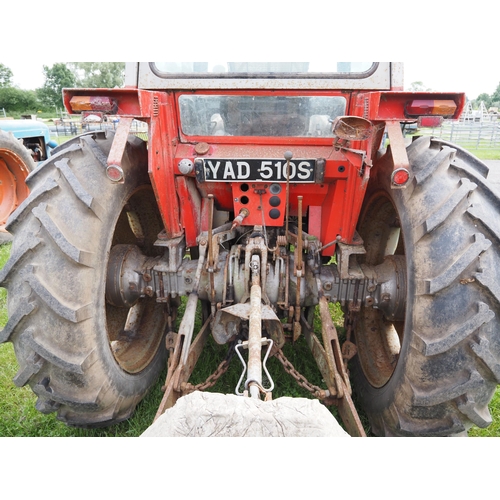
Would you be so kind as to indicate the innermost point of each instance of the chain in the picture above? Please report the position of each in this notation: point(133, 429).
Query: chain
point(212, 379)
point(316, 391)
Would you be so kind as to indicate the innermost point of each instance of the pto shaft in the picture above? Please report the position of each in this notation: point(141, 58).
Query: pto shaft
point(254, 375)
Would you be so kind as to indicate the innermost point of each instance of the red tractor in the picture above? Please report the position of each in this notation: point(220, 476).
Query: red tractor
point(277, 182)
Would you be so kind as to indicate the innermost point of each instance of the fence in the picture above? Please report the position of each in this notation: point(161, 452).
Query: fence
point(468, 134)
point(71, 127)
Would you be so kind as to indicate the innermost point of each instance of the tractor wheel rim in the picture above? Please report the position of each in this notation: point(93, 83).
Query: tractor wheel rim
point(136, 332)
point(379, 340)
point(13, 190)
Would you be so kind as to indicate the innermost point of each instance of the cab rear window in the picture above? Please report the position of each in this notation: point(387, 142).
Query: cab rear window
point(262, 69)
point(268, 116)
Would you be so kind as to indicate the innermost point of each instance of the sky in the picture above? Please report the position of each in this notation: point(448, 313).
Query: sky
point(447, 48)
point(473, 78)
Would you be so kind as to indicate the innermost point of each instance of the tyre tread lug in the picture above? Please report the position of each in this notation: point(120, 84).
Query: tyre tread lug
point(16, 255)
point(447, 277)
point(19, 214)
point(442, 158)
point(479, 417)
point(70, 365)
point(445, 394)
point(95, 149)
point(491, 222)
point(68, 313)
point(74, 253)
point(33, 366)
point(88, 200)
point(14, 319)
point(484, 315)
point(482, 349)
point(439, 216)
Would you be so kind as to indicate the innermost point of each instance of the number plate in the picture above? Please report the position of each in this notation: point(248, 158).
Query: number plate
point(251, 170)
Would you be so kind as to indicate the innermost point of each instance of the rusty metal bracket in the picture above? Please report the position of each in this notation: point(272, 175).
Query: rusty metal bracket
point(326, 363)
point(119, 142)
point(398, 151)
point(180, 370)
point(350, 416)
point(329, 358)
point(331, 341)
point(348, 267)
point(185, 354)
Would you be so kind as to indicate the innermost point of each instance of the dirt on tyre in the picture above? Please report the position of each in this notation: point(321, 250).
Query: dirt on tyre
point(15, 165)
point(433, 370)
point(85, 358)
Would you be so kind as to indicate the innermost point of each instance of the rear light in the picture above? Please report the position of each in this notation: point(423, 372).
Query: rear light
point(114, 173)
point(426, 107)
point(400, 177)
point(81, 103)
point(430, 121)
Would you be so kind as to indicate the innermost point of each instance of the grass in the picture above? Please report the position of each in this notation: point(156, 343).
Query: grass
point(485, 154)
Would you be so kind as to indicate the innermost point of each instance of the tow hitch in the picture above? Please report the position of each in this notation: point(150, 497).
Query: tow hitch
point(242, 283)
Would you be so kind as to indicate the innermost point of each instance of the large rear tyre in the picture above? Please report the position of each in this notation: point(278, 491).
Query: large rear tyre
point(85, 358)
point(433, 371)
point(15, 165)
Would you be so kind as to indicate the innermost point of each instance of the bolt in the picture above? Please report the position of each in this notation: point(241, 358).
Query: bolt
point(149, 291)
point(386, 297)
point(187, 280)
point(327, 285)
point(146, 277)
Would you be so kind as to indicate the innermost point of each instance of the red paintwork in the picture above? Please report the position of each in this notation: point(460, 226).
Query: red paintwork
point(191, 208)
point(393, 105)
point(126, 99)
point(331, 208)
point(161, 153)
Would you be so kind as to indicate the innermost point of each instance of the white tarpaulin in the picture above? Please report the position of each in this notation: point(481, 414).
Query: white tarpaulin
point(203, 414)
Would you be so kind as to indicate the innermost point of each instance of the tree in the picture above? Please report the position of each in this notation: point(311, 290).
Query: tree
point(13, 99)
point(5, 76)
point(99, 74)
point(56, 78)
point(482, 98)
point(489, 100)
point(495, 97)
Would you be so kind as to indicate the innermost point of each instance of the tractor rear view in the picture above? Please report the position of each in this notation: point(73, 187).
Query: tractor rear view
point(265, 192)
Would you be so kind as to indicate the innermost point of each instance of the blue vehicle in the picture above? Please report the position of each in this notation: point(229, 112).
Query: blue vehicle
point(34, 134)
point(23, 144)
